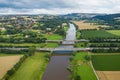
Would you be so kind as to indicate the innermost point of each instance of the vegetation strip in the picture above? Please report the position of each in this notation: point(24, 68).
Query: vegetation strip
point(80, 67)
point(33, 67)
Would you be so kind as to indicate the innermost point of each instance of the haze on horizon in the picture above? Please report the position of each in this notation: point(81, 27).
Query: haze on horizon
point(58, 6)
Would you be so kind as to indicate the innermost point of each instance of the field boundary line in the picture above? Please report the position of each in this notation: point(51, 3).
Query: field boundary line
point(94, 70)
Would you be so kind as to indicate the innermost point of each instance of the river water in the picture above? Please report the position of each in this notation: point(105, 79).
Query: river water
point(57, 67)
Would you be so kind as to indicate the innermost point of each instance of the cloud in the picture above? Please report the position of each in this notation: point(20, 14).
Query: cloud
point(58, 6)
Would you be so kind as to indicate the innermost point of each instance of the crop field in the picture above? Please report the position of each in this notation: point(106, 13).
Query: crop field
point(32, 68)
point(82, 25)
point(106, 62)
point(115, 32)
point(7, 62)
point(97, 34)
point(84, 69)
point(108, 75)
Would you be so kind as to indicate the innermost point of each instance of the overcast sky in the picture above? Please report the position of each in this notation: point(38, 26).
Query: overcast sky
point(58, 6)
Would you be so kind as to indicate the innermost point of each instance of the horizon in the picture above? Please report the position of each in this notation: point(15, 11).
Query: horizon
point(21, 14)
point(56, 7)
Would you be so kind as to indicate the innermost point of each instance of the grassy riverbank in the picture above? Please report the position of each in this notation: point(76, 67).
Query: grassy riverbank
point(81, 68)
point(32, 68)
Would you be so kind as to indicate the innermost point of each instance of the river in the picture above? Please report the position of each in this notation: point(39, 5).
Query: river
point(57, 67)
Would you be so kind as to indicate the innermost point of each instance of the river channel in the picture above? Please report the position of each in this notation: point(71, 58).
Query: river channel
point(57, 67)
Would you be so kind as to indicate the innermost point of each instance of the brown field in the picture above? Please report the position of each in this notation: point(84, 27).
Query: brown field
point(7, 62)
point(108, 75)
point(82, 25)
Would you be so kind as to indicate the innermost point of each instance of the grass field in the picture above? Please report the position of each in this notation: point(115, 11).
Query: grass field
point(106, 62)
point(115, 32)
point(84, 69)
point(78, 35)
point(51, 45)
point(66, 28)
point(53, 36)
point(32, 68)
point(80, 45)
point(7, 62)
point(97, 34)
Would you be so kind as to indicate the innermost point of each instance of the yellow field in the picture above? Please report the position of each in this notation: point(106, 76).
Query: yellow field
point(109, 75)
point(7, 62)
point(82, 25)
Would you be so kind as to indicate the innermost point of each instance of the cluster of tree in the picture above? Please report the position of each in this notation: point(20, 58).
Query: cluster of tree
point(22, 40)
point(116, 39)
point(104, 45)
point(8, 51)
point(48, 56)
point(74, 71)
point(53, 24)
point(60, 31)
point(110, 50)
point(11, 46)
point(13, 31)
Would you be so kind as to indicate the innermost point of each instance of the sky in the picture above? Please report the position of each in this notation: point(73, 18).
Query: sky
point(58, 6)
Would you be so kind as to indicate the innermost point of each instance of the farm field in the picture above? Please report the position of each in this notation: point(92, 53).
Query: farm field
point(97, 34)
point(82, 25)
point(7, 62)
point(109, 75)
point(84, 69)
point(33, 68)
point(106, 62)
point(115, 32)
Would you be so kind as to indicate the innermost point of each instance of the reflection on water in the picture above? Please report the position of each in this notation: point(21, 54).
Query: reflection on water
point(71, 35)
point(57, 67)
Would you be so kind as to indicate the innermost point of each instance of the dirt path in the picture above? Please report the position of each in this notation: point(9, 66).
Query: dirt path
point(7, 62)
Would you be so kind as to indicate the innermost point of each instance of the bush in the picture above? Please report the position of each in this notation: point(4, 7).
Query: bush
point(87, 57)
point(11, 72)
point(77, 77)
